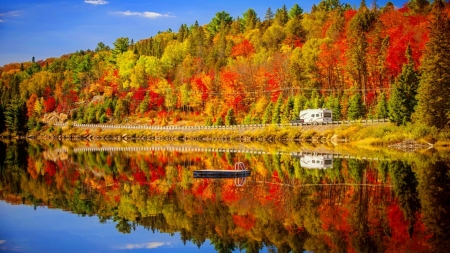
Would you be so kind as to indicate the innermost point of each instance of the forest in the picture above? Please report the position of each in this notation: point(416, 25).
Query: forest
point(366, 62)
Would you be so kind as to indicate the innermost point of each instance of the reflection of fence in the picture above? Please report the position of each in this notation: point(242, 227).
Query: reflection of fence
point(190, 128)
point(218, 150)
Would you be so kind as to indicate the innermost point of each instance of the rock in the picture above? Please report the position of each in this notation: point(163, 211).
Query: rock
point(409, 145)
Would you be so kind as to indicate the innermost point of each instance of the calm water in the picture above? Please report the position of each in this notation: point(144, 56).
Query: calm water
point(81, 197)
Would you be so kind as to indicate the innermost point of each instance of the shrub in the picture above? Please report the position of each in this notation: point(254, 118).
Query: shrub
point(103, 118)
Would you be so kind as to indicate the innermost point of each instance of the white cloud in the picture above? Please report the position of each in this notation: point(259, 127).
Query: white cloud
point(145, 14)
point(8, 14)
point(149, 245)
point(2, 241)
point(96, 2)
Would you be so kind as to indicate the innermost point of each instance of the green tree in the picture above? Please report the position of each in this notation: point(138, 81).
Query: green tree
point(332, 103)
point(287, 111)
point(221, 19)
point(267, 117)
point(382, 110)
point(269, 15)
point(2, 118)
point(273, 37)
point(299, 104)
point(433, 108)
point(295, 11)
point(276, 113)
point(249, 20)
point(356, 109)
point(418, 6)
point(403, 98)
point(230, 118)
point(281, 16)
point(219, 121)
point(121, 45)
point(102, 47)
point(16, 116)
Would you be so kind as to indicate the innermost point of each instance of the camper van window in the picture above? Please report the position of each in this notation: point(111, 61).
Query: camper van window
point(327, 115)
point(313, 161)
point(312, 115)
point(317, 115)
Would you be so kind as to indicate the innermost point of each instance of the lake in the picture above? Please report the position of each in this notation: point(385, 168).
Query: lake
point(112, 196)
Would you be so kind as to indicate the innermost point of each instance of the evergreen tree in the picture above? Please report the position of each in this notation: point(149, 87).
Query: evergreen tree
point(382, 110)
point(299, 104)
point(16, 116)
point(2, 118)
point(219, 121)
point(221, 19)
point(287, 110)
point(249, 20)
point(269, 15)
point(395, 106)
point(230, 118)
point(332, 103)
point(282, 16)
point(276, 114)
point(295, 11)
point(208, 122)
point(403, 98)
point(143, 106)
point(267, 117)
point(356, 109)
point(433, 107)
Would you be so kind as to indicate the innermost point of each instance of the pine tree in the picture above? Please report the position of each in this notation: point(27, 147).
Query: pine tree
point(356, 109)
point(16, 116)
point(269, 15)
point(403, 98)
point(2, 118)
point(230, 118)
point(219, 121)
point(382, 110)
point(433, 107)
point(276, 114)
point(332, 103)
point(267, 117)
point(299, 103)
point(282, 16)
point(287, 110)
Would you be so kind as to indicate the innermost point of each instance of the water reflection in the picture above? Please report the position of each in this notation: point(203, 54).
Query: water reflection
point(316, 160)
point(286, 204)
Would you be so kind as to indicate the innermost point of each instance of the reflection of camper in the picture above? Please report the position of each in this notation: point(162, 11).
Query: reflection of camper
point(316, 161)
point(320, 115)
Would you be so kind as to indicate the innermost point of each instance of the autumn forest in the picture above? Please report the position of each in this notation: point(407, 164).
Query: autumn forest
point(366, 62)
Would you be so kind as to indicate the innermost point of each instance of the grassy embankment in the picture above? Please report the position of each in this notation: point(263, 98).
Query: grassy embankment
point(357, 134)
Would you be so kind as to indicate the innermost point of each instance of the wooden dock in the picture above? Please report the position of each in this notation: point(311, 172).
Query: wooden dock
point(221, 173)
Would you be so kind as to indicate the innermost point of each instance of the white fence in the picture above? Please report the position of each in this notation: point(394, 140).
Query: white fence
point(185, 128)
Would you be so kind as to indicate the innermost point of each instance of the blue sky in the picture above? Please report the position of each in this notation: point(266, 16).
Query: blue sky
point(24, 229)
point(49, 28)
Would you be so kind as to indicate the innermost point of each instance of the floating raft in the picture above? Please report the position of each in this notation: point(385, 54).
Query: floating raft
point(221, 173)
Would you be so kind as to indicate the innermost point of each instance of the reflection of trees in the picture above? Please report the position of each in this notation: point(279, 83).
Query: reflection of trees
point(434, 188)
point(123, 225)
point(405, 187)
point(286, 207)
point(221, 245)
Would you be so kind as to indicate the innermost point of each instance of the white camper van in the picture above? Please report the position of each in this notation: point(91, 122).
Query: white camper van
point(321, 115)
point(316, 161)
